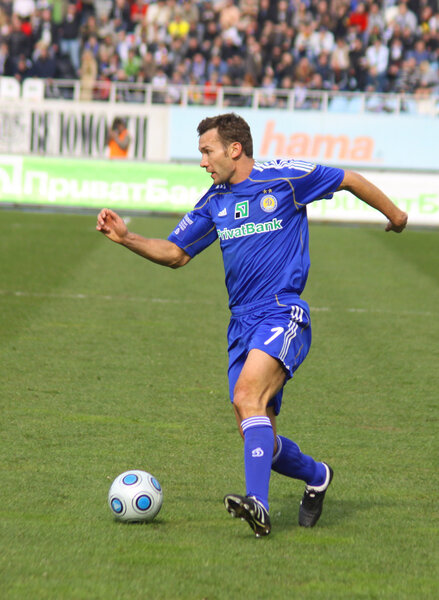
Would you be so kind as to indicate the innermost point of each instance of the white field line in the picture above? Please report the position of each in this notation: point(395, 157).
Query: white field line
point(144, 299)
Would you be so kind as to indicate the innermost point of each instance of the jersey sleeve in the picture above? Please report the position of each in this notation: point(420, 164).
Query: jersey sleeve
point(196, 231)
point(320, 184)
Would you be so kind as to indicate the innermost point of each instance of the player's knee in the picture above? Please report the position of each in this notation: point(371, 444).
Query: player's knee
point(246, 402)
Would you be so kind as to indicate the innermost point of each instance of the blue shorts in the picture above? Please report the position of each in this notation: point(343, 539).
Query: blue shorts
point(281, 329)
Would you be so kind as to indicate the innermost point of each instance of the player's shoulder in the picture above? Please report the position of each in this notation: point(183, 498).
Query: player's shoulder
point(214, 191)
point(288, 168)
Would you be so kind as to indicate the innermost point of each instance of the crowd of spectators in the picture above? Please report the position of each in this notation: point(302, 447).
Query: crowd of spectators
point(346, 45)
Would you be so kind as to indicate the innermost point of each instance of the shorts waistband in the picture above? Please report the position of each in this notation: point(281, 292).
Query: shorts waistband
point(270, 301)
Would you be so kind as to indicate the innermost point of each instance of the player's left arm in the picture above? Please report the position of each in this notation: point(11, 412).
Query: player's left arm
point(366, 191)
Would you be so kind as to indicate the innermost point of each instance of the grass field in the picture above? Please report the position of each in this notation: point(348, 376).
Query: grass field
point(109, 363)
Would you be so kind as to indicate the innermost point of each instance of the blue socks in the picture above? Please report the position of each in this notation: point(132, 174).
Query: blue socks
point(258, 456)
point(290, 461)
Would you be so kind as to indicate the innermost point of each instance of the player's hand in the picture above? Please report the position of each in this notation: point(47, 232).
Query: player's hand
point(112, 225)
point(398, 224)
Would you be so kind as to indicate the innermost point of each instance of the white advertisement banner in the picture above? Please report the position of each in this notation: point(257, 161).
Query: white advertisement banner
point(79, 129)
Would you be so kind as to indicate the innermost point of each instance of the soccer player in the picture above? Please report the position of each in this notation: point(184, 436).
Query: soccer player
point(258, 212)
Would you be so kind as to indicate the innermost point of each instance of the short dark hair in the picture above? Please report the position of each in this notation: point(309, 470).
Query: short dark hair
point(231, 128)
point(117, 121)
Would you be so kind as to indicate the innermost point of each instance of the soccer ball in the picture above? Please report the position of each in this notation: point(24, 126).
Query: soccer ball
point(135, 496)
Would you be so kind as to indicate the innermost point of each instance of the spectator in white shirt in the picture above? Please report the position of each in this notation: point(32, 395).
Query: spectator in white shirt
point(321, 40)
point(377, 60)
point(377, 55)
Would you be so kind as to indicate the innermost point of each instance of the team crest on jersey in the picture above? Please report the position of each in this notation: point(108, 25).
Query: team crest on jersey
point(268, 202)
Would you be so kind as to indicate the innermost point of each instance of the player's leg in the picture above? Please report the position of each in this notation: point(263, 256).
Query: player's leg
point(261, 378)
point(288, 460)
point(272, 417)
point(285, 335)
point(291, 348)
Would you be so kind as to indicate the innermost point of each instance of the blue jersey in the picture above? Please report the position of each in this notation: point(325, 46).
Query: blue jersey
point(262, 227)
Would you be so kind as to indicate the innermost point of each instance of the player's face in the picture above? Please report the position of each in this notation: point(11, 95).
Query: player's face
point(215, 158)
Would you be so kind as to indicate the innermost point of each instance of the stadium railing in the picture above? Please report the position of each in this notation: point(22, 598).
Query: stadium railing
point(221, 97)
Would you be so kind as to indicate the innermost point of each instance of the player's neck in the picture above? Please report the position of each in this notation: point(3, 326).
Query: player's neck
point(244, 167)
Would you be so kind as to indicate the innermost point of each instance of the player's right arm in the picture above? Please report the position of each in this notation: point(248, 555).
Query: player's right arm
point(162, 252)
point(368, 192)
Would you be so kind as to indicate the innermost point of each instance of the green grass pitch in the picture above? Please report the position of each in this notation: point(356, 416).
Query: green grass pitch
point(108, 362)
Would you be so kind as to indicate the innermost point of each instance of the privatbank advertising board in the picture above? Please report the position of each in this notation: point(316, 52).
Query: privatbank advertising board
point(134, 186)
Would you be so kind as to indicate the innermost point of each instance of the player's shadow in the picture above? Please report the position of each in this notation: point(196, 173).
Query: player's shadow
point(156, 523)
point(335, 511)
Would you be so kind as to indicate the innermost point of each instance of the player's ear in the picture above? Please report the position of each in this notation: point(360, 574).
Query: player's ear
point(235, 150)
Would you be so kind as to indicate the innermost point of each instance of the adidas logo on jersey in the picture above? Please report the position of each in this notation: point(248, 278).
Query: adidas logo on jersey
point(223, 213)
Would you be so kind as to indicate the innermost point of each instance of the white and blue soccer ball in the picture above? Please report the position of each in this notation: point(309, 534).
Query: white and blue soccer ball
point(135, 496)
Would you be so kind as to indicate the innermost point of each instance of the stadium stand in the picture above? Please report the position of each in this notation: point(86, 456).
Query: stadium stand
point(297, 54)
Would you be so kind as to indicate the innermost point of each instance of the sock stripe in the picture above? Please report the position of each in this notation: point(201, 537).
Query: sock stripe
point(321, 488)
point(255, 422)
point(278, 451)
